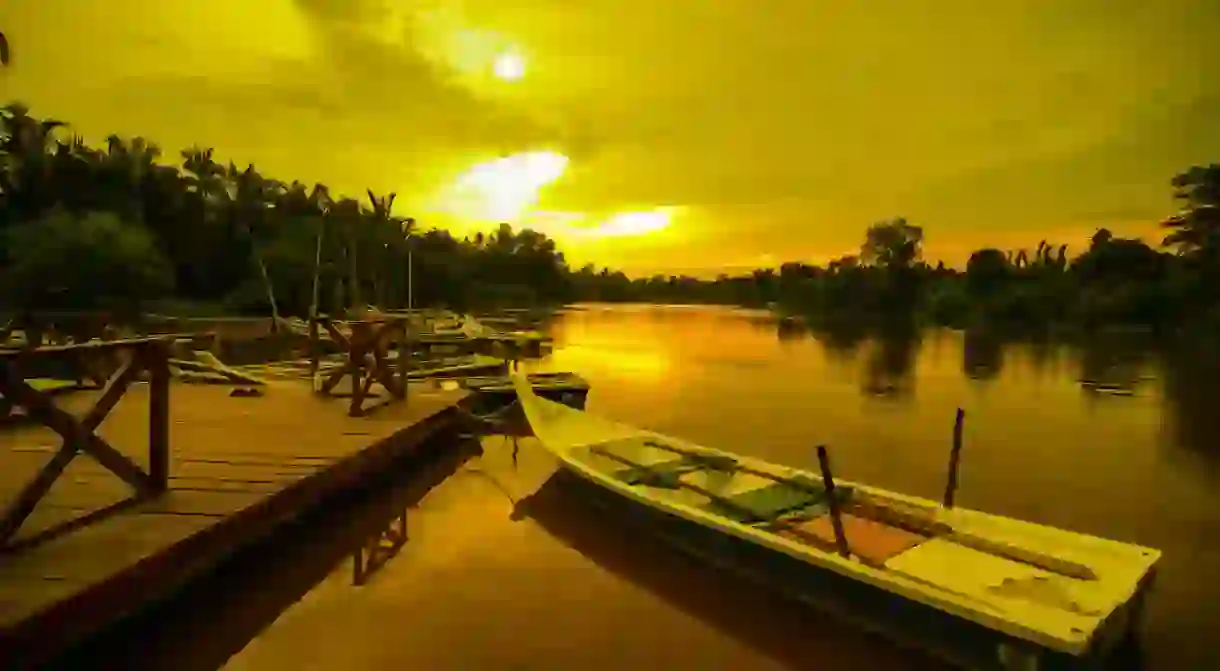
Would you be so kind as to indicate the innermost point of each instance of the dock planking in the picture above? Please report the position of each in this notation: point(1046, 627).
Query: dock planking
point(90, 552)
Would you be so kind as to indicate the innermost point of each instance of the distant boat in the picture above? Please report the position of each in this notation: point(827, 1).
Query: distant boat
point(978, 590)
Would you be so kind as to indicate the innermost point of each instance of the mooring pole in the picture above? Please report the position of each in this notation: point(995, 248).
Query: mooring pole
point(836, 521)
point(408, 346)
point(317, 269)
point(955, 455)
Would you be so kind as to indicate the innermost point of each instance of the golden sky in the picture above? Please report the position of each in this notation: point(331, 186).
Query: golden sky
point(733, 132)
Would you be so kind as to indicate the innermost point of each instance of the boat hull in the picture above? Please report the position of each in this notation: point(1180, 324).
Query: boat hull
point(495, 395)
point(962, 643)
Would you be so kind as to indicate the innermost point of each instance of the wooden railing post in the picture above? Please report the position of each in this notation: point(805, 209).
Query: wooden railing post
point(79, 435)
point(315, 347)
point(157, 363)
point(400, 363)
point(367, 360)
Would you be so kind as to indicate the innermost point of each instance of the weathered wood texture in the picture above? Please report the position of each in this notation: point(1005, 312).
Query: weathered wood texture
point(79, 436)
point(90, 552)
point(367, 345)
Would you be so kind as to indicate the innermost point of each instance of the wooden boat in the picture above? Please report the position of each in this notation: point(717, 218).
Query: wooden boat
point(458, 366)
point(980, 591)
point(494, 393)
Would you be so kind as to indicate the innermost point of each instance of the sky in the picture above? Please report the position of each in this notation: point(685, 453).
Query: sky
point(679, 136)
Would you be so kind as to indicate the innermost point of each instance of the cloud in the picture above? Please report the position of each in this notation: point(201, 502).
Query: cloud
point(802, 122)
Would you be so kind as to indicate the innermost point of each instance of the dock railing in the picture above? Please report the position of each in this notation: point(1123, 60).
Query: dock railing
point(366, 344)
point(131, 357)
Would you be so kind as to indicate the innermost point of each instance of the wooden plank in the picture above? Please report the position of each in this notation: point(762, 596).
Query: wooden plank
point(21, 598)
point(872, 541)
point(199, 503)
point(228, 485)
point(82, 469)
point(87, 556)
point(289, 461)
point(238, 467)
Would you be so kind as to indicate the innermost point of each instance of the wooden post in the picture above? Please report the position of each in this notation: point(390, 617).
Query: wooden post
point(358, 350)
point(157, 363)
point(317, 268)
point(836, 520)
point(954, 458)
point(315, 346)
point(400, 364)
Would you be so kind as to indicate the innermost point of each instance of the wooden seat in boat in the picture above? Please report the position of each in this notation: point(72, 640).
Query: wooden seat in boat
point(767, 503)
point(874, 542)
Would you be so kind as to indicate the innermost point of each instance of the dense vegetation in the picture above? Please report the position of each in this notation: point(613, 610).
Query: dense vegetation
point(84, 227)
point(87, 228)
point(1115, 281)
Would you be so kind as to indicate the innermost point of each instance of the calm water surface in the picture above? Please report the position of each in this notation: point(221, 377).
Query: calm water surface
point(482, 587)
point(1038, 445)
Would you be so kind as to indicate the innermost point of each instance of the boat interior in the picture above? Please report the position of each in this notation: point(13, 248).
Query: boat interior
point(795, 507)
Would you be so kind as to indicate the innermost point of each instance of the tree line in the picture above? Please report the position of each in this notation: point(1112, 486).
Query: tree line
point(1113, 281)
point(119, 227)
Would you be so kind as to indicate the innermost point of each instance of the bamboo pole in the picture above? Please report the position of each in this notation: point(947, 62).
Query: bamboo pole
point(836, 520)
point(317, 268)
point(955, 454)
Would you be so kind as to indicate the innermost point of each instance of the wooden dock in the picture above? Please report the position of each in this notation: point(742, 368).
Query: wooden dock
point(92, 551)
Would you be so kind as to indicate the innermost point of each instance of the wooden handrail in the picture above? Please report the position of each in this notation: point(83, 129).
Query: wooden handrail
point(80, 435)
point(368, 360)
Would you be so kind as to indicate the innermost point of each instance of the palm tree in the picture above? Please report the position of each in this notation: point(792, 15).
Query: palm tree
point(298, 204)
point(385, 230)
point(130, 167)
point(347, 214)
point(250, 197)
point(24, 134)
point(27, 145)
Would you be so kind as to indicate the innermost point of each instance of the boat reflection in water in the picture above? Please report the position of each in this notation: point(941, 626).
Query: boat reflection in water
point(793, 635)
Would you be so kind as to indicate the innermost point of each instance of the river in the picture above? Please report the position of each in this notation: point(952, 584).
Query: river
point(480, 591)
point(1143, 467)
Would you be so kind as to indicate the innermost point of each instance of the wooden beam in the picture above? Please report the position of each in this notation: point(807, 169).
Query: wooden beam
point(42, 409)
point(20, 508)
point(81, 435)
point(156, 362)
point(8, 353)
point(112, 391)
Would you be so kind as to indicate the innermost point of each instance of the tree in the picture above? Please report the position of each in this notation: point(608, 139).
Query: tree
point(1118, 260)
point(26, 146)
point(237, 238)
point(1100, 239)
point(68, 262)
point(385, 230)
point(987, 270)
point(1196, 228)
point(249, 199)
point(4, 51)
point(893, 245)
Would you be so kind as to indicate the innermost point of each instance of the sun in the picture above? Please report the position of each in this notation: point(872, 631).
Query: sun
point(509, 67)
point(504, 189)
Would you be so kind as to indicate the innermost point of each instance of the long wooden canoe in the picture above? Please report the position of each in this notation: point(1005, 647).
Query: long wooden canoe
point(980, 591)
